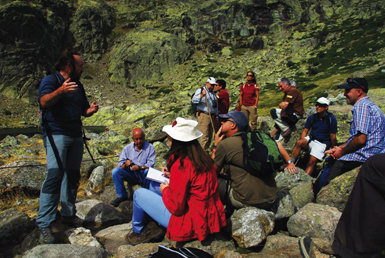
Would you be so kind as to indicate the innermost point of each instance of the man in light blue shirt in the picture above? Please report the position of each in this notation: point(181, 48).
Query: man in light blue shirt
point(207, 111)
point(133, 165)
point(367, 130)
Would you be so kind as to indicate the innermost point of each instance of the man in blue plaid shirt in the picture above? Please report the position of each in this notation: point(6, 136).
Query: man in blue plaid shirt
point(367, 130)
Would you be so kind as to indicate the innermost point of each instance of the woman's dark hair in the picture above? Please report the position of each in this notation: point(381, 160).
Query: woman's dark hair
point(200, 159)
point(66, 57)
point(253, 80)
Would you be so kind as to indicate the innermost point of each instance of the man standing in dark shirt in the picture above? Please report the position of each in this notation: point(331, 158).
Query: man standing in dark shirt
point(222, 96)
point(62, 102)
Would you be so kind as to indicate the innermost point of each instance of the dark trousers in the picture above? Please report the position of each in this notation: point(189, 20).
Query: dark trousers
point(360, 230)
point(341, 167)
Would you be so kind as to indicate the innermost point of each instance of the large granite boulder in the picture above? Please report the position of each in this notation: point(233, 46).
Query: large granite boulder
point(337, 192)
point(314, 220)
point(14, 227)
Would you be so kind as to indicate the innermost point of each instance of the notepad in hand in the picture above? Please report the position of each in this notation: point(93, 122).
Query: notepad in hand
point(156, 175)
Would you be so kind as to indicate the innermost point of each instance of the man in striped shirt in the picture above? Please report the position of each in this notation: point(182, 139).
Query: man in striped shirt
point(367, 130)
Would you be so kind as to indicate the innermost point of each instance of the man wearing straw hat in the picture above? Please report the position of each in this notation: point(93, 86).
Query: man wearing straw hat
point(207, 110)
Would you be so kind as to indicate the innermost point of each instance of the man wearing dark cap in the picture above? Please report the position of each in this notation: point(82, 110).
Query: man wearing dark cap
point(244, 189)
point(367, 130)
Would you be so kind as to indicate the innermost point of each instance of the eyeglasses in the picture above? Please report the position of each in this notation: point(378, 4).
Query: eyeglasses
point(250, 75)
point(320, 105)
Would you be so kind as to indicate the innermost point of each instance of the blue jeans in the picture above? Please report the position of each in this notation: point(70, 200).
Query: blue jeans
point(60, 185)
point(119, 175)
point(148, 203)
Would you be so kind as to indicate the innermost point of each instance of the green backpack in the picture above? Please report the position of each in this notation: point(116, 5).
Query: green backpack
point(261, 156)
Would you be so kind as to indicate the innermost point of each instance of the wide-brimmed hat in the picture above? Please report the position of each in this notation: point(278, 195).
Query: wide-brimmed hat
point(323, 100)
point(359, 83)
point(183, 130)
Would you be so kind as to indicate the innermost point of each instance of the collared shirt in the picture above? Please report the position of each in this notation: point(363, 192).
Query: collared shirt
point(144, 157)
point(201, 102)
point(295, 99)
point(223, 101)
point(369, 120)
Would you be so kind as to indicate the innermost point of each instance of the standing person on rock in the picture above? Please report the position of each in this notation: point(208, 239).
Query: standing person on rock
point(134, 161)
point(207, 111)
point(248, 99)
point(62, 102)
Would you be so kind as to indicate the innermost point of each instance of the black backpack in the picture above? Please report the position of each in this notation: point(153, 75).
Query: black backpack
point(187, 252)
point(261, 156)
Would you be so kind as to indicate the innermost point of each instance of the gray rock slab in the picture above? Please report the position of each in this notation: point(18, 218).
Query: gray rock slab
point(302, 194)
point(65, 250)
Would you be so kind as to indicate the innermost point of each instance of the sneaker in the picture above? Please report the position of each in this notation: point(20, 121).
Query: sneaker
point(73, 221)
point(152, 232)
point(46, 236)
point(117, 201)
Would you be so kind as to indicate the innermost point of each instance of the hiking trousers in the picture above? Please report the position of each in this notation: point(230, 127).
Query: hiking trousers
point(60, 185)
point(251, 113)
point(119, 175)
point(204, 125)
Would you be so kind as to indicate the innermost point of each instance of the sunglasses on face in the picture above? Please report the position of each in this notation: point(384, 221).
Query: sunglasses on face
point(320, 105)
point(250, 75)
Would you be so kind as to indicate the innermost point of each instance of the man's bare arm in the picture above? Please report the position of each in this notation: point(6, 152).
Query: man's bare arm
point(51, 98)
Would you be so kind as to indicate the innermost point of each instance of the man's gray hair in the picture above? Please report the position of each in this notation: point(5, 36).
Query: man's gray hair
point(284, 80)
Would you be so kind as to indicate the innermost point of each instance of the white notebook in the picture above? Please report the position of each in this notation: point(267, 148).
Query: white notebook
point(156, 175)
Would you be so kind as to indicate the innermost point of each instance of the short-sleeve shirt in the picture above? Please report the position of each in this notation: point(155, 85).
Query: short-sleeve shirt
point(249, 91)
point(368, 119)
point(223, 101)
point(321, 128)
point(64, 116)
point(295, 99)
point(247, 189)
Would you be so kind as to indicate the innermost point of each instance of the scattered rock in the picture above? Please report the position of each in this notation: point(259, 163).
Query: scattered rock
point(66, 251)
point(82, 236)
point(250, 226)
point(113, 237)
point(96, 181)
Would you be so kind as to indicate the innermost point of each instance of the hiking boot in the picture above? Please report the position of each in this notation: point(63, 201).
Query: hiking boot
point(46, 236)
point(117, 201)
point(72, 221)
point(286, 133)
point(152, 232)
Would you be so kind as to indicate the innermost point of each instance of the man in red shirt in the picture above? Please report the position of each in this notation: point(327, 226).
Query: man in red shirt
point(248, 99)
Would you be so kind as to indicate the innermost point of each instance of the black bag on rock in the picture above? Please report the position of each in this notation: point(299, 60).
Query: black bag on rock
point(187, 252)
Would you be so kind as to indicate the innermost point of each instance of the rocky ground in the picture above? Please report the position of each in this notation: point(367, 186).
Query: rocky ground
point(144, 59)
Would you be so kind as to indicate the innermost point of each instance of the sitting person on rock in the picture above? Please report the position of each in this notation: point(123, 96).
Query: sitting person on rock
point(243, 189)
point(323, 129)
point(289, 112)
point(189, 205)
point(133, 165)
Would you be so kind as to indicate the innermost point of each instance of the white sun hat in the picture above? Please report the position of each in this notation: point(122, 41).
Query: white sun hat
point(211, 80)
point(183, 130)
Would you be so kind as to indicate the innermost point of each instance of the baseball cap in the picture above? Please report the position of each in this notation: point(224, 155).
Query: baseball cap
point(211, 80)
point(359, 83)
point(323, 101)
point(239, 118)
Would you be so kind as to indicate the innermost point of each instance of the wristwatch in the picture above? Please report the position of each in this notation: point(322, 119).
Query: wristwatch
point(289, 162)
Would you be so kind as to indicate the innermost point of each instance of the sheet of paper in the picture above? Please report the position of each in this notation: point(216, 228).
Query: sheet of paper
point(156, 175)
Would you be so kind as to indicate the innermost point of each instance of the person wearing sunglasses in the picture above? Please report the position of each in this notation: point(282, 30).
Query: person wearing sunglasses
point(248, 99)
point(367, 130)
point(323, 130)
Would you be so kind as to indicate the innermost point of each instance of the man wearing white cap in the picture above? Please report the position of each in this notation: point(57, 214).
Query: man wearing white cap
point(207, 110)
point(323, 126)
